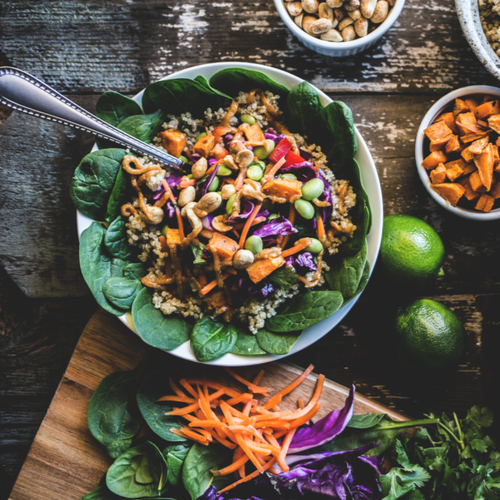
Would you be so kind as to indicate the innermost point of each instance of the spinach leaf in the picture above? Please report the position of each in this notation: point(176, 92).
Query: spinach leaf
point(143, 127)
point(196, 474)
point(211, 340)
point(151, 388)
point(246, 345)
point(96, 265)
point(276, 343)
point(304, 111)
point(201, 79)
point(345, 273)
point(304, 311)
point(284, 277)
point(233, 80)
point(139, 472)
point(116, 240)
point(94, 180)
point(134, 270)
point(121, 292)
point(118, 196)
point(117, 267)
point(179, 95)
point(175, 454)
point(103, 493)
point(156, 329)
point(364, 278)
point(113, 107)
point(110, 415)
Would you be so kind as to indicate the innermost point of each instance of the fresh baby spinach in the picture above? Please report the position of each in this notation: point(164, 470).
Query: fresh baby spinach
point(110, 416)
point(200, 460)
point(113, 107)
point(116, 240)
point(246, 345)
point(143, 127)
point(175, 454)
point(118, 196)
point(134, 270)
point(152, 387)
point(121, 292)
point(139, 472)
point(96, 265)
point(156, 329)
point(305, 311)
point(276, 343)
point(94, 180)
point(117, 267)
point(211, 340)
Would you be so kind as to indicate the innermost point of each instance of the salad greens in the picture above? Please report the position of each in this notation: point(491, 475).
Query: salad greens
point(100, 186)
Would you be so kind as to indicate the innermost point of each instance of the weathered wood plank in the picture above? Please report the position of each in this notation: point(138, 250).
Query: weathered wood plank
point(123, 45)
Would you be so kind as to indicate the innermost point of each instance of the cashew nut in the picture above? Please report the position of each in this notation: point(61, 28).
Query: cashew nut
point(325, 12)
point(244, 158)
point(354, 14)
point(320, 26)
point(219, 224)
point(189, 206)
point(227, 191)
point(187, 195)
point(196, 224)
point(350, 5)
point(368, 7)
point(294, 8)
point(361, 27)
point(331, 36)
point(154, 214)
point(199, 169)
point(306, 24)
point(347, 21)
point(236, 146)
point(207, 204)
point(242, 259)
point(348, 33)
point(230, 163)
point(310, 6)
point(380, 12)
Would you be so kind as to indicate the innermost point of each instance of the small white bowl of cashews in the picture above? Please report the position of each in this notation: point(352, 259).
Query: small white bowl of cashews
point(339, 28)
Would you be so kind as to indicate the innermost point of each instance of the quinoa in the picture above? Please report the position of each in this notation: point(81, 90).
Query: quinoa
point(489, 13)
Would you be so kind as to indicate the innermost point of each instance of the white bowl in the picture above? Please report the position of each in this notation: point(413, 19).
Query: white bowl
point(435, 110)
point(468, 16)
point(372, 186)
point(339, 49)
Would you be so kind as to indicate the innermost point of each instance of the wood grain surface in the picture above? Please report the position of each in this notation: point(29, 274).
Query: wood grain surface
point(83, 47)
point(65, 461)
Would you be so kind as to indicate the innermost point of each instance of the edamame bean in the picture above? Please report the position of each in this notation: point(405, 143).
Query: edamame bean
point(273, 216)
point(199, 136)
point(214, 185)
point(224, 171)
point(229, 204)
point(184, 159)
point(312, 189)
point(247, 119)
point(315, 247)
point(164, 230)
point(261, 164)
point(255, 173)
point(289, 176)
point(261, 152)
point(190, 176)
point(254, 244)
point(304, 208)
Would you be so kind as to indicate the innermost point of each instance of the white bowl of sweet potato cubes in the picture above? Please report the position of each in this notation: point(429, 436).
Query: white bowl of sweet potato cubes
point(457, 152)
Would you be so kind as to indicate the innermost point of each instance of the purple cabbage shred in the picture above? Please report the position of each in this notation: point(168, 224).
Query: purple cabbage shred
point(304, 171)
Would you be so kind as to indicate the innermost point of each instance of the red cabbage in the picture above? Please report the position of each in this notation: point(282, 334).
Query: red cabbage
point(325, 196)
point(275, 227)
point(204, 184)
point(304, 171)
point(323, 430)
point(212, 161)
point(260, 290)
point(246, 210)
point(158, 194)
point(169, 208)
point(305, 154)
point(304, 261)
point(206, 222)
point(174, 179)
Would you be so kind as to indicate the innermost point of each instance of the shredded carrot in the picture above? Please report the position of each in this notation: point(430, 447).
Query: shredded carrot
point(213, 284)
point(231, 468)
point(276, 398)
point(163, 243)
point(275, 169)
point(177, 211)
point(203, 279)
point(320, 228)
point(179, 399)
point(256, 221)
point(248, 224)
point(256, 380)
point(299, 246)
point(241, 177)
point(249, 477)
point(175, 387)
point(254, 388)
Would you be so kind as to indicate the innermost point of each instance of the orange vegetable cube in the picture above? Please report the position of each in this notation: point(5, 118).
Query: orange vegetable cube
point(437, 130)
point(475, 183)
point(473, 137)
point(449, 119)
point(467, 124)
point(471, 103)
point(494, 124)
point(438, 175)
point(434, 159)
point(223, 245)
point(173, 237)
point(204, 145)
point(470, 194)
point(174, 141)
point(289, 189)
point(219, 152)
point(495, 190)
point(485, 203)
point(460, 107)
point(467, 155)
point(453, 145)
point(478, 146)
point(262, 268)
point(254, 133)
point(454, 172)
point(451, 192)
point(439, 144)
point(484, 164)
point(487, 109)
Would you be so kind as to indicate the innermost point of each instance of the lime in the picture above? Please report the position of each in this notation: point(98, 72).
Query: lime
point(411, 252)
point(429, 337)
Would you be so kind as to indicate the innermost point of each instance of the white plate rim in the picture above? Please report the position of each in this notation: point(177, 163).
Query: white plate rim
point(371, 184)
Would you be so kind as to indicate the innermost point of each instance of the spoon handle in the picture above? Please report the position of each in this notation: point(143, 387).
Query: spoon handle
point(23, 92)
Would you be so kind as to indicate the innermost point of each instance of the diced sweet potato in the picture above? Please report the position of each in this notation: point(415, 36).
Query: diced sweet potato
point(470, 194)
point(485, 203)
point(434, 159)
point(485, 110)
point(496, 166)
point(437, 130)
point(439, 144)
point(204, 145)
point(495, 190)
point(475, 183)
point(262, 268)
point(219, 152)
point(467, 124)
point(460, 106)
point(494, 123)
point(254, 133)
point(225, 246)
point(174, 141)
point(484, 164)
point(454, 172)
point(472, 103)
point(478, 146)
point(449, 119)
point(173, 237)
point(451, 192)
point(453, 145)
point(438, 175)
point(289, 189)
point(466, 139)
point(467, 155)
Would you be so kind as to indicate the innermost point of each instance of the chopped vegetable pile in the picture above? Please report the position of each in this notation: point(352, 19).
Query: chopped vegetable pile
point(463, 161)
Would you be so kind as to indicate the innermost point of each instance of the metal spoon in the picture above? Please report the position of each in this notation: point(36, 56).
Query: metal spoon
point(23, 92)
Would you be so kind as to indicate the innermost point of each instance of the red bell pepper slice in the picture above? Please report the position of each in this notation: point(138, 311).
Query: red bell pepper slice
point(280, 150)
point(292, 158)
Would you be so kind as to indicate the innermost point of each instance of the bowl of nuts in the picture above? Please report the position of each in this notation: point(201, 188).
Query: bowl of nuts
point(339, 28)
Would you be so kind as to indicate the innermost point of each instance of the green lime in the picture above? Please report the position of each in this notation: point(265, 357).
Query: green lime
point(429, 337)
point(411, 252)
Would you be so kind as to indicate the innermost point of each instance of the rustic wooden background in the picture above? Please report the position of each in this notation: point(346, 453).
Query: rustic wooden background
point(83, 47)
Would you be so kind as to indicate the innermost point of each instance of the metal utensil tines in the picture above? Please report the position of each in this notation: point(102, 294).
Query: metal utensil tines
point(23, 92)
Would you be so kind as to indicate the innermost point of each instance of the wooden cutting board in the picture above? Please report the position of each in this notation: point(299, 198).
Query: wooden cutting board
point(66, 462)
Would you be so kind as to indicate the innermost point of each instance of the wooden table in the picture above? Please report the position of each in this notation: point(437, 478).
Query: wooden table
point(85, 47)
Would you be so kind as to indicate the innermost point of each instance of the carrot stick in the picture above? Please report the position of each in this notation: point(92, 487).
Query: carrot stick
point(203, 279)
point(320, 228)
point(194, 437)
point(177, 211)
point(174, 387)
point(276, 398)
point(314, 400)
point(222, 441)
point(231, 468)
point(206, 423)
point(189, 388)
point(250, 476)
point(235, 233)
point(256, 221)
point(302, 420)
point(183, 411)
point(214, 385)
point(291, 218)
point(213, 284)
point(179, 399)
point(259, 375)
point(248, 224)
point(275, 169)
point(254, 388)
point(241, 177)
point(163, 243)
point(244, 398)
point(284, 450)
point(299, 245)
